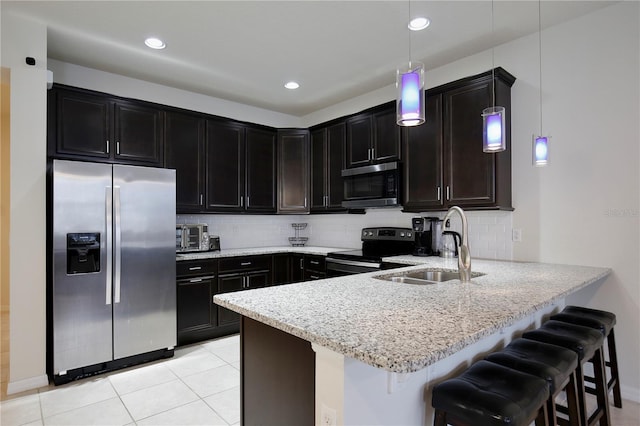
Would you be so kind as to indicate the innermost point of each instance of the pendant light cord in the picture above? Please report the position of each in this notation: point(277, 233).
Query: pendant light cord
point(410, 68)
point(540, 58)
point(493, 60)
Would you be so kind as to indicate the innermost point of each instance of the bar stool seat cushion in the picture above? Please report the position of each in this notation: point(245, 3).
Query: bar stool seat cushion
point(489, 394)
point(584, 341)
point(601, 320)
point(550, 362)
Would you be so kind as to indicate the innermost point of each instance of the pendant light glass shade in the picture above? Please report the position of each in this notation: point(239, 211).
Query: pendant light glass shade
point(540, 150)
point(410, 96)
point(494, 137)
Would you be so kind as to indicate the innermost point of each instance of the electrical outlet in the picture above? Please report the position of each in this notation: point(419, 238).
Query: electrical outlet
point(327, 416)
point(516, 235)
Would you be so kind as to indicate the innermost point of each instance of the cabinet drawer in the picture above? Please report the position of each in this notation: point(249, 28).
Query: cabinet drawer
point(314, 263)
point(248, 263)
point(190, 268)
point(313, 275)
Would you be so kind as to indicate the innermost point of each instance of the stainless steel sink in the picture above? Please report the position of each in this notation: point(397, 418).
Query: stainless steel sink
point(408, 280)
point(437, 276)
point(424, 277)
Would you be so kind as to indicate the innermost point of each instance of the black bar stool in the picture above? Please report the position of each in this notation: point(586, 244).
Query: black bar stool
point(489, 394)
point(552, 363)
point(603, 321)
point(587, 344)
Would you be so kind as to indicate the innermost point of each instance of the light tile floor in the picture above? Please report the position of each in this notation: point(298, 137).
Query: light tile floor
point(200, 385)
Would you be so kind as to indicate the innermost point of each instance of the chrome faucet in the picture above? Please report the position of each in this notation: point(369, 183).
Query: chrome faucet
point(464, 256)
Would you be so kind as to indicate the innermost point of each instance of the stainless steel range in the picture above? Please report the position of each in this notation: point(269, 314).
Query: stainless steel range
point(377, 243)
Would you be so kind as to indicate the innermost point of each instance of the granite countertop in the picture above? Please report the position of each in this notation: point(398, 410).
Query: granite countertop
point(402, 327)
point(257, 251)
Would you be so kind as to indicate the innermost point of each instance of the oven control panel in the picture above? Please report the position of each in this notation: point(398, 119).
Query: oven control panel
point(387, 234)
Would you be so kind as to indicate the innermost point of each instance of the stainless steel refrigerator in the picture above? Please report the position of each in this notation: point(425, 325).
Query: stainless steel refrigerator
point(113, 287)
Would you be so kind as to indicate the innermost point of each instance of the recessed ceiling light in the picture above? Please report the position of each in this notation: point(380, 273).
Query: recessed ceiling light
point(292, 85)
point(155, 43)
point(419, 23)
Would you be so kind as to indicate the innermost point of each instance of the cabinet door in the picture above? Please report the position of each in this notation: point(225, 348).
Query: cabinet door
point(184, 152)
point(280, 269)
point(257, 279)
point(260, 170)
point(138, 133)
point(386, 137)
point(318, 170)
point(226, 284)
point(83, 122)
point(196, 310)
point(423, 161)
point(336, 137)
point(359, 140)
point(293, 171)
point(224, 166)
point(470, 172)
point(297, 268)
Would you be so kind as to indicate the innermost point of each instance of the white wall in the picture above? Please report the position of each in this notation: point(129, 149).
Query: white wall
point(22, 38)
point(87, 78)
point(582, 209)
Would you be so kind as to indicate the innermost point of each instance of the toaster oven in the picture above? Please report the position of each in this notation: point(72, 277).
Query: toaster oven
point(195, 237)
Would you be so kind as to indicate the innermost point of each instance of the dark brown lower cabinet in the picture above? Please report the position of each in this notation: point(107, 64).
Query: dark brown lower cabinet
point(277, 377)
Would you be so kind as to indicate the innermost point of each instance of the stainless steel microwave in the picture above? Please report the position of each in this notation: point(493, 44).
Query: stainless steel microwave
point(377, 185)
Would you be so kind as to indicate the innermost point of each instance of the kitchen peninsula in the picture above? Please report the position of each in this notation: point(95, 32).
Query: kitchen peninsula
point(363, 350)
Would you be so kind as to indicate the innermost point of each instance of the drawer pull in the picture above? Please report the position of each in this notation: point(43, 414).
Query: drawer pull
point(196, 280)
point(245, 263)
point(195, 268)
point(314, 262)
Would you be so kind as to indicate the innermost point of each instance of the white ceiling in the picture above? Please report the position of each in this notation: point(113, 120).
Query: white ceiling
point(245, 51)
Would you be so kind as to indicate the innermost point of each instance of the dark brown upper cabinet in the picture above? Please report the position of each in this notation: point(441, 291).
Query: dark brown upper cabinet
point(293, 171)
point(373, 137)
point(423, 165)
point(89, 125)
point(327, 162)
point(185, 152)
point(444, 162)
point(240, 168)
point(261, 170)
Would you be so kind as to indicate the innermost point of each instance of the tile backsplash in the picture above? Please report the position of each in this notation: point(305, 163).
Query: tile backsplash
point(489, 231)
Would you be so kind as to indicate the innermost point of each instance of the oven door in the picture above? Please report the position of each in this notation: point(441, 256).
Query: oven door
point(342, 267)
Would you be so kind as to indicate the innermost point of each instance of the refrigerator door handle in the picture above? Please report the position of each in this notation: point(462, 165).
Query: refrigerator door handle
point(117, 238)
point(108, 196)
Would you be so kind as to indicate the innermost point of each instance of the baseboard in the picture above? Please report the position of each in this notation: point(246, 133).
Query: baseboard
point(629, 393)
point(27, 384)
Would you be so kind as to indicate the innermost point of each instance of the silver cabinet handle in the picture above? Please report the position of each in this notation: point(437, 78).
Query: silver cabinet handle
point(118, 147)
point(195, 268)
point(242, 201)
point(201, 199)
point(245, 263)
point(301, 263)
point(107, 146)
point(448, 193)
point(439, 193)
point(314, 262)
point(248, 202)
point(109, 238)
point(118, 240)
point(196, 280)
point(314, 277)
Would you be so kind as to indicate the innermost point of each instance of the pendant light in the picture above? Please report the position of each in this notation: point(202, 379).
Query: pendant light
point(410, 91)
point(540, 143)
point(494, 138)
